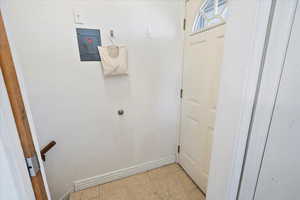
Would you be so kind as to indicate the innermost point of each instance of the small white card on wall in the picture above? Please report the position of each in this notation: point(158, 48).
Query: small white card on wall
point(79, 17)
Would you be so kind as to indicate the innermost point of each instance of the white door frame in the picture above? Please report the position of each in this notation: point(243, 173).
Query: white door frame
point(246, 39)
point(274, 62)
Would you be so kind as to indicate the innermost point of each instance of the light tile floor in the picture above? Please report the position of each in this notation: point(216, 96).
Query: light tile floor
point(166, 183)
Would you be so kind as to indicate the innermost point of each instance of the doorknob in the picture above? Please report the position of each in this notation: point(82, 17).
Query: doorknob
point(46, 149)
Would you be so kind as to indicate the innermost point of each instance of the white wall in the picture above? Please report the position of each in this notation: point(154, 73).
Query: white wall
point(74, 105)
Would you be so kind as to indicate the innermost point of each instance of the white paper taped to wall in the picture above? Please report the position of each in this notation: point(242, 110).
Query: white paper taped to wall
point(114, 60)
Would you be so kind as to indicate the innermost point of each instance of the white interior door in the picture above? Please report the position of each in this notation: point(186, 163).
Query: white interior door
point(279, 177)
point(203, 52)
point(14, 179)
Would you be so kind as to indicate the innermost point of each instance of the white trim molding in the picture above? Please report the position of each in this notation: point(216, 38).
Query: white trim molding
point(245, 46)
point(122, 173)
point(274, 62)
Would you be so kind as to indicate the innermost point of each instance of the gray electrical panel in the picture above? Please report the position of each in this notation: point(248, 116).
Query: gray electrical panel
point(88, 42)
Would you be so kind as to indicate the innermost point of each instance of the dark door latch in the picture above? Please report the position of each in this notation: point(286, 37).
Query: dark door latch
point(120, 112)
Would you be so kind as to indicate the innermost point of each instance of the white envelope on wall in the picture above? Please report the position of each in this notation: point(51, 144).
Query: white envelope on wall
point(114, 60)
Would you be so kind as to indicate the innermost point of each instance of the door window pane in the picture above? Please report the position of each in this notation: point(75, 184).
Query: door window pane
point(211, 12)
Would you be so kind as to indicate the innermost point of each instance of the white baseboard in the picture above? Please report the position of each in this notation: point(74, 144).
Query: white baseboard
point(66, 195)
point(122, 173)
